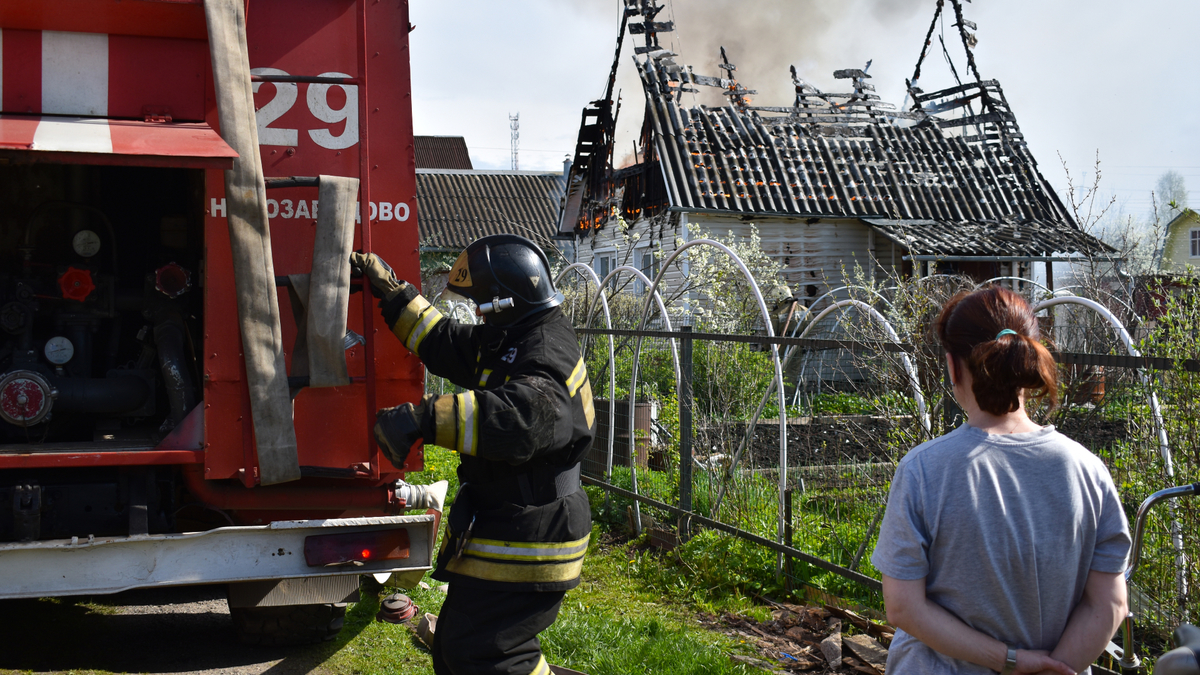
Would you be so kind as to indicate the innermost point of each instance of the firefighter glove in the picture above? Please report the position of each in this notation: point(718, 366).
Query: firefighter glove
point(384, 283)
point(398, 430)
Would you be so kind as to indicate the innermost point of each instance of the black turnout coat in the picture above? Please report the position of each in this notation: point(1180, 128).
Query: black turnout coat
point(520, 522)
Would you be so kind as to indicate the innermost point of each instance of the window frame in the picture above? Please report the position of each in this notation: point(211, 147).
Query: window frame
point(609, 255)
point(640, 253)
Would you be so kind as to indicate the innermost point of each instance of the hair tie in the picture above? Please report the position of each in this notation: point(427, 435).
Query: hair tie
point(1006, 331)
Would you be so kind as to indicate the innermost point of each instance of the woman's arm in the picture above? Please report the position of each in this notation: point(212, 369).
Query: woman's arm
point(1094, 620)
point(909, 609)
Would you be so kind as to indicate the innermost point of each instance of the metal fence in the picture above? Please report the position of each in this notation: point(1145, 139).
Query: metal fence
point(711, 446)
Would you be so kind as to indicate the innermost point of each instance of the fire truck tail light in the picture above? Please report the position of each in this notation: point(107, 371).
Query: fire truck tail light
point(324, 550)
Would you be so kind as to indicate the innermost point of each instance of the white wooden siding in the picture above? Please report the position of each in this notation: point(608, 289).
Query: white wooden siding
point(821, 255)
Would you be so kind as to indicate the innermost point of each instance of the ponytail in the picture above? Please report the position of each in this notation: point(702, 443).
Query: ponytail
point(1001, 369)
point(994, 333)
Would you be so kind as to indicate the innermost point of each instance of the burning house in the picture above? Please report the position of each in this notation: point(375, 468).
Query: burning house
point(828, 180)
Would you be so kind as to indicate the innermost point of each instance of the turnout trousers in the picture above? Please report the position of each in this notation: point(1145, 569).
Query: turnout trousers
point(493, 632)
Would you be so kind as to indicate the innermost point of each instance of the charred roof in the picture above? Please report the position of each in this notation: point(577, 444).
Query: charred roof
point(949, 175)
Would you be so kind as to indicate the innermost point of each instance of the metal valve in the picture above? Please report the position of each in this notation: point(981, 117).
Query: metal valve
point(497, 304)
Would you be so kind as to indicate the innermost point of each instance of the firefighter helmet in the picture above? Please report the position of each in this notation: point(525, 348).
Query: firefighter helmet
point(507, 276)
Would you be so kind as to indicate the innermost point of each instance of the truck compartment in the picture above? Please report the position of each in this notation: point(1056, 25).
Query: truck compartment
point(100, 305)
point(101, 317)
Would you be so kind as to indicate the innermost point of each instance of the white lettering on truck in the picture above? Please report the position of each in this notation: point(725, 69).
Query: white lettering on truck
point(286, 208)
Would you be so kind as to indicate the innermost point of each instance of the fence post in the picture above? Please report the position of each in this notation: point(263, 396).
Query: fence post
point(787, 535)
point(685, 429)
point(951, 413)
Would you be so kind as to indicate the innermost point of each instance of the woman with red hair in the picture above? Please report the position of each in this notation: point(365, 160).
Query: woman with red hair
point(1004, 542)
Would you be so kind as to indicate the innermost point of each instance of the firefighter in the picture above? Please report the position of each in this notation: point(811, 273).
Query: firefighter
point(520, 523)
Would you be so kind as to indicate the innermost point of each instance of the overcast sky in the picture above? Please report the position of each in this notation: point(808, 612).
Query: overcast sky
point(1115, 77)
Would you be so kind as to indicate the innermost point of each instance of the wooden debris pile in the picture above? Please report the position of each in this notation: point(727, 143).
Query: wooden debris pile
point(811, 640)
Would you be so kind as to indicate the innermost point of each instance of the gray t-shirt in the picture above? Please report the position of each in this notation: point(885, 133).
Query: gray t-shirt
point(1004, 529)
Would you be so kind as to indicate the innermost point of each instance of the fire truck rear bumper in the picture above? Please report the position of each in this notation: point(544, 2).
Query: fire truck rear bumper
point(103, 565)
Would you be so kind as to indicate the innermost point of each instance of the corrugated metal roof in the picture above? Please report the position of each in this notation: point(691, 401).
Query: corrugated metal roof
point(441, 152)
point(1031, 237)
point(457, 207)
point(935, 181)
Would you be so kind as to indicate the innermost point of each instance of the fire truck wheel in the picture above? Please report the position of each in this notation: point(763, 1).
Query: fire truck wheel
point(287, 625)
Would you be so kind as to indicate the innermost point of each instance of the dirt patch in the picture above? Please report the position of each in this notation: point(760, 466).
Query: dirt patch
point(818, 442)
point(1093, 432)
point(808, 639)
point(850, 439)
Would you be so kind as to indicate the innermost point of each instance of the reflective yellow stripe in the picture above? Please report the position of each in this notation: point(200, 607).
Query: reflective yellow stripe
point(589, 408)
point(409, 317)
point(542, 668)
point(470, 566)
point(468, 423)
point(445, 424)
point(526, 551)
point(577, 378)
point(484, 377)
point(429, 318)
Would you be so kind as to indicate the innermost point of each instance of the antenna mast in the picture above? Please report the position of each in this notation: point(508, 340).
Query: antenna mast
point(514, 123)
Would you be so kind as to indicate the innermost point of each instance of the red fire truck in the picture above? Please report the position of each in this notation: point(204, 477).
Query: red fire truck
point(143, 442)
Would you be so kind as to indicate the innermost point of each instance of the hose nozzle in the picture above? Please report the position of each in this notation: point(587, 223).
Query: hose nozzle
point(422, 496)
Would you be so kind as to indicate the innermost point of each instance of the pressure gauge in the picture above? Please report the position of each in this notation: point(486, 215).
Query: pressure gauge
point(59, 350)
point(86, 243)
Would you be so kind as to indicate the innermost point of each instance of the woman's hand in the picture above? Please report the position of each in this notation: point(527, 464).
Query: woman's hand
point(909, 610)
point(1039, 662)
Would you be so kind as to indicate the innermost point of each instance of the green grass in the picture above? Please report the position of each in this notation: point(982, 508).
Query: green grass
point(619, 620)
point(827, 523)
point(633, 612)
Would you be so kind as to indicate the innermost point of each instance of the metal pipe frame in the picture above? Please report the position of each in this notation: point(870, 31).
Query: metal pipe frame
point(1023, 280)
point(909, 370)
point(364, 187)
point(808, 310)
point(580, 269)
point(766, 317)
point(662, 308)
point(1129, 658)
point(1156, 412)
point(1009, 258)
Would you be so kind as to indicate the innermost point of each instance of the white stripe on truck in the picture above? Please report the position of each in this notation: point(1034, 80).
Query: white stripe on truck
point(73, 134)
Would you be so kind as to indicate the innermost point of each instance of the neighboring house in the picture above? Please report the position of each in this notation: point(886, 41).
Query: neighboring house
point(830, 182)
point(456, 207)
point(1181, 248)
point(441, 152)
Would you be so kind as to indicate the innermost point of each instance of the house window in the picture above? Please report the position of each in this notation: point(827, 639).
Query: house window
point(603, 265)
point(648, 264)
point(1195, 240)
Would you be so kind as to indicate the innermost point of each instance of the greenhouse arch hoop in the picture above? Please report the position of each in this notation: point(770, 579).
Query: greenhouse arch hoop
point(589, 274)
point(1160, 429)
point(766, 318)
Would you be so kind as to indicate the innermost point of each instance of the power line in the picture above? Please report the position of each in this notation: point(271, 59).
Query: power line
point(487, 147)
